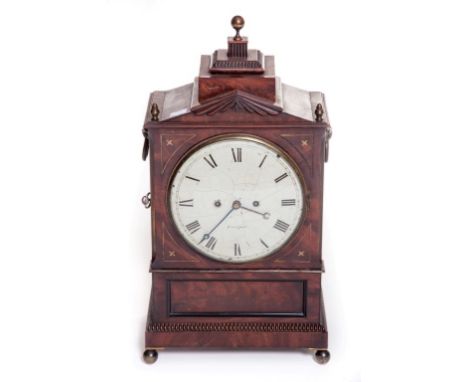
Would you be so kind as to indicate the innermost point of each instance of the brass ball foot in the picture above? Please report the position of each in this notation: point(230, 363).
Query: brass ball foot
point(322, 356)
point(150, 356)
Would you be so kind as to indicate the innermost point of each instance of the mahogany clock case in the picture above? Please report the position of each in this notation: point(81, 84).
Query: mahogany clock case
point(274, 301)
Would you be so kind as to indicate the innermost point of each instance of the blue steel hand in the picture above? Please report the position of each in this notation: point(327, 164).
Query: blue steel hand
point(207, 235)
point(266, 215)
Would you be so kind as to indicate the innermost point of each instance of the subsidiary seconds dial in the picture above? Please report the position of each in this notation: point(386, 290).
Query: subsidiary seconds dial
point(236, 199)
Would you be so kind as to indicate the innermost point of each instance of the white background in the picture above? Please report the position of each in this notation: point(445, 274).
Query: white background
point(75, 239)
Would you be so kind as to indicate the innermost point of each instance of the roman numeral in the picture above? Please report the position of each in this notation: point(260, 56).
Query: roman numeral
point(211, 161)
point(195, 179)
point(265, 244)
point(288, 202)
point(186, 203)
point(237, 250)
point(211, 243)
point(281, 177)
point(237, 154)
point(281, 225)
point(263, 160)
point(193, 226)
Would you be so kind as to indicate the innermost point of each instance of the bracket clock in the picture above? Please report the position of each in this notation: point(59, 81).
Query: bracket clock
point(236, 162)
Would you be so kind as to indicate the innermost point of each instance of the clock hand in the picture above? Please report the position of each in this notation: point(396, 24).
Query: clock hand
point(266, 215)
point(207, 235)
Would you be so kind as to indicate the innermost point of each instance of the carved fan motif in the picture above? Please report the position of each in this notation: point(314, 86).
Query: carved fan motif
point(237, 100)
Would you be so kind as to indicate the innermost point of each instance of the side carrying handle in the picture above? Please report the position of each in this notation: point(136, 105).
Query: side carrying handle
point(328, 133)
point(144, 154)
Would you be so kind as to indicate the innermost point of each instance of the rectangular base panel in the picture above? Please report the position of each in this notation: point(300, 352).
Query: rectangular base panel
point(176, 321)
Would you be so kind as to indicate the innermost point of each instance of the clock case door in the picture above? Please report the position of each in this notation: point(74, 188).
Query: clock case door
point(170, 144)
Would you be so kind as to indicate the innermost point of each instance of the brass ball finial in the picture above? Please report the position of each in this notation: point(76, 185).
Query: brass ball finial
point(237, 23)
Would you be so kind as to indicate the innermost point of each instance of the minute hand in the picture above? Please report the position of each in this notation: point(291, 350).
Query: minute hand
point(223, 219)
point(207, 235)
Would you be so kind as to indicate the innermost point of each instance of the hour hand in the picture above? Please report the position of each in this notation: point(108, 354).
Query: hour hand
point(266, 215)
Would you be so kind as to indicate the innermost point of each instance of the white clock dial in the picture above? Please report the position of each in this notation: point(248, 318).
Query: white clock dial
point(236, 200)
